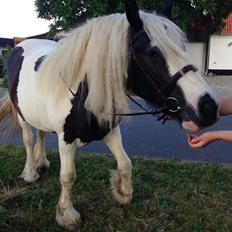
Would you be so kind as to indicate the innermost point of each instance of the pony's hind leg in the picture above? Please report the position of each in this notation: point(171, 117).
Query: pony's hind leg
point(121, 179)
point(29, 172)
point(66, 215)
point(40, 159)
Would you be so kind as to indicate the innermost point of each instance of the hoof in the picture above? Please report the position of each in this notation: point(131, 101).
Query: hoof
point(42, 165)
point(29, 175)
point(70, 220)
point(120, 196)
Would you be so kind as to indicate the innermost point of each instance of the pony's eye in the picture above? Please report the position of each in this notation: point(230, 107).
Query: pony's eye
point(151, 51)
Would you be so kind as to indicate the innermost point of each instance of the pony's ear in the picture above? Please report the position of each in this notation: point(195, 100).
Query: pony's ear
point(167, 10)
point(132, 14)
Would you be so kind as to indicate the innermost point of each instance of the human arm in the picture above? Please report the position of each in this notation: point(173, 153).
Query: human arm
point(209, 137)
point(226, 107)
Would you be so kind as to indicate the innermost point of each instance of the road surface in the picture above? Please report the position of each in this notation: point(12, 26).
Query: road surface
point(144, 136)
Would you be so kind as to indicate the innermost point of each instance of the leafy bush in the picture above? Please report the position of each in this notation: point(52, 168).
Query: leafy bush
point(3, 73)
point(68, 14)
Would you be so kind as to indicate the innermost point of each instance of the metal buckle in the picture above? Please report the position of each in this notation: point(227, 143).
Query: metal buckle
point(170, 101)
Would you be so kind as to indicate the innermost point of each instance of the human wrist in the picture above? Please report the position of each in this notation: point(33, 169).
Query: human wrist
point(215, 135)
point(221, 135)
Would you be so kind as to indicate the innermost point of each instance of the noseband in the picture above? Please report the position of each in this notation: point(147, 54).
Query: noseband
point(169, 104)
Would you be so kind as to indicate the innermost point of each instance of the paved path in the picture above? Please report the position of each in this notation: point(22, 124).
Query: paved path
point(222, 85)
point(143, 136)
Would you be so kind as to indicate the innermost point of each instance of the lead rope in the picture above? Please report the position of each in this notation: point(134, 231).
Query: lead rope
point(70, 90)
point(164, 117)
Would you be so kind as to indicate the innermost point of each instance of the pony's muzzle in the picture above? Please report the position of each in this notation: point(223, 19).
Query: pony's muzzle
point(208, 111)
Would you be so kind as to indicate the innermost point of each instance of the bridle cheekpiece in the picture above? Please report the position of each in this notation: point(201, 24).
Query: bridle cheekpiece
point(169, 105)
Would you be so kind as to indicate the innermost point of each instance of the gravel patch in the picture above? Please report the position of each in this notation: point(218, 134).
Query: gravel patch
point(222, 85)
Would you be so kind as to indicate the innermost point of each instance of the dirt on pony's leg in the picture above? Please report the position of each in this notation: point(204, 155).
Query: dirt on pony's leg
point(66, 215)
point(121, 184)
point(40, 159)
point(29, 172)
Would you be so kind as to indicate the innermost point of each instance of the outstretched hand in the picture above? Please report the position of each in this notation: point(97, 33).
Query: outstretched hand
point(202, 140)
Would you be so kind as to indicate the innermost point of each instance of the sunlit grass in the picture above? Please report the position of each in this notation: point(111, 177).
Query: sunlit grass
point(168, 196)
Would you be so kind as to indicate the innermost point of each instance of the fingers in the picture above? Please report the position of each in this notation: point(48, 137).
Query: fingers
point(195, 142)
point(199, 144)
point(193, 138)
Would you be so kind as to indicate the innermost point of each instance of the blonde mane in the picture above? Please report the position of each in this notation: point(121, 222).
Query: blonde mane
point(98, 52)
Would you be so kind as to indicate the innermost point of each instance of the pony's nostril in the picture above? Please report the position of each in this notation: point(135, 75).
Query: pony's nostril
point(208, 110)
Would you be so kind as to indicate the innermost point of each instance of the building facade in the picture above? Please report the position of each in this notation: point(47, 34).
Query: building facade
point(220, 50)
point(227, 30)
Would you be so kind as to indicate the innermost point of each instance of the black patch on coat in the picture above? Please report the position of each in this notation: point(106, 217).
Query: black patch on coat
point(39, 62)
point(80, 123)
point(14, 65)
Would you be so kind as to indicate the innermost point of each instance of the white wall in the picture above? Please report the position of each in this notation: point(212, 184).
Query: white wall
point(220, 53)
point(198, 51)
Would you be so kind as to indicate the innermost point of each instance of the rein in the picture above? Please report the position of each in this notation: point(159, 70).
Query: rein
point(167, 101)
point(167, 108)
point(153, 112)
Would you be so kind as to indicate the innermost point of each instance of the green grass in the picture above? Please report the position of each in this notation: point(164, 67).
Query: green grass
point(168, 196)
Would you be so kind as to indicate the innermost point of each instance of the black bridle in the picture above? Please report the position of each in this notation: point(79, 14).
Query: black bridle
point(169, 105)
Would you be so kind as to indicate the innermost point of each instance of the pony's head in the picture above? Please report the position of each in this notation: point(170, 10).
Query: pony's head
point(161, 70)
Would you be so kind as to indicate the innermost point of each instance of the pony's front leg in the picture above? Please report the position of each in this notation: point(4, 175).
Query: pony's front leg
point(66, 215)
point(120, 180)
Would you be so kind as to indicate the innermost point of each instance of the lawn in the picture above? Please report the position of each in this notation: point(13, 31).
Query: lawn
point(168, 196)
